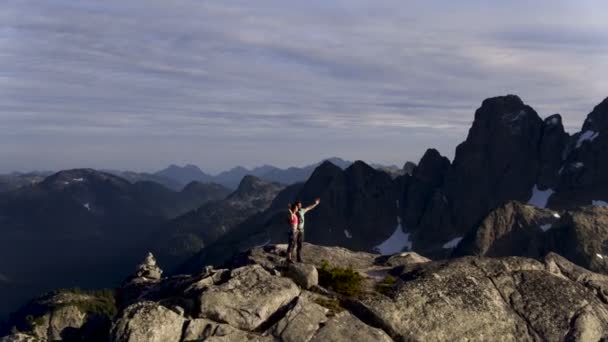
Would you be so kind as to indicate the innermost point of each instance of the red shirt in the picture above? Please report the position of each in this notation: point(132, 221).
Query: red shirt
point(294, 220)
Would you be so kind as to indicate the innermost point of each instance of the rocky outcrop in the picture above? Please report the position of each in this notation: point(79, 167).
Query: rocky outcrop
point(20, 337)
point(508, 299)
point(346, 327)
point(65, 316)
point(147, 321)
point(582, 237)
point(469, 298)
point(513, 229)
point(301, 322)
point(248, 299)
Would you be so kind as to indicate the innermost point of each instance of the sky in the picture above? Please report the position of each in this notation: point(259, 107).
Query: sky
point(140, 84)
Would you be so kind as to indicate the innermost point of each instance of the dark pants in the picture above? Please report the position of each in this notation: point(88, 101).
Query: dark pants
point(295, 241)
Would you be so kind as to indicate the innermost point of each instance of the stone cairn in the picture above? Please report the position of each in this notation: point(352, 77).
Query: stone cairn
point(148, 269)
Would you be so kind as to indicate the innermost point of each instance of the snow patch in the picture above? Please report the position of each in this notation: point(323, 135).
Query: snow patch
point(518, 115)
point(599, 203)
point(347, 234)
point(87, 206)
point(452, 243)
point(578, 165)
point(396, 242)
point(546, 227)
point(556, 215)
point(540, 197)
point(586, 136)
point(599, 255)
point(78, 179)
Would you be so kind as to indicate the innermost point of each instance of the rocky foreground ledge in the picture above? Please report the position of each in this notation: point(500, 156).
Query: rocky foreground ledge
point(340, 295)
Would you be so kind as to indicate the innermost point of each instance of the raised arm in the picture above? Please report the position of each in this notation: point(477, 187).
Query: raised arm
point(312, 206)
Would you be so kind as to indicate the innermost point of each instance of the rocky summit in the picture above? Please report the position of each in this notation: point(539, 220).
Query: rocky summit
point(336, 295)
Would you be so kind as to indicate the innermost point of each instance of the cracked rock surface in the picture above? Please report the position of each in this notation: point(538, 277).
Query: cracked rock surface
point(465, 299)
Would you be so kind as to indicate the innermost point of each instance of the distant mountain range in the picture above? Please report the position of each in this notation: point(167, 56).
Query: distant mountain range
point(176, 177)
point(232, 177)
point(16, 180)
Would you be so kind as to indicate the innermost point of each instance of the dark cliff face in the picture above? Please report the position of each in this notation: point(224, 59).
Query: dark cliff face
point(584, 171)
point(359, 210)
point(498, 161)
point(510, 154)
point(426, 178)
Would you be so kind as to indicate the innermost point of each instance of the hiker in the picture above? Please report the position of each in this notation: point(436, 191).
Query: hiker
point(292, 220)
point(300, 231)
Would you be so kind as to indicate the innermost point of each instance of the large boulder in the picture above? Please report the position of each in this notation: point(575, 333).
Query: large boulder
point(344, 327)
point(248, 299)
point(301, 322)
point(507, 299)
point(513, 229)
point(147, 321)
point(305, 275)
point(201, 329)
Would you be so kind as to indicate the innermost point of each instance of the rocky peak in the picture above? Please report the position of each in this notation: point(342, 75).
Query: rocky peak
point(359, 172)
point(252, 188)
point(321, 177)
point(408, 167)
point(71, 177)
point(597, 120)
point(250, 184)
point(496, 162)
point(432, 167)
point(552, 149)
point(427, 177)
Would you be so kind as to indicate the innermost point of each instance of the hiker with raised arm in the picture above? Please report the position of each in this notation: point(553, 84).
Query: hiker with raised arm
point(300, 213)
point(292, 221)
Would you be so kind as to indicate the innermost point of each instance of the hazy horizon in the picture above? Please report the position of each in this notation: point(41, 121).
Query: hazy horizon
point(141, 84)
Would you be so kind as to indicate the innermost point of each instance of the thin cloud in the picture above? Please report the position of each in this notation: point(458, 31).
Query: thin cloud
point(378, 81)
